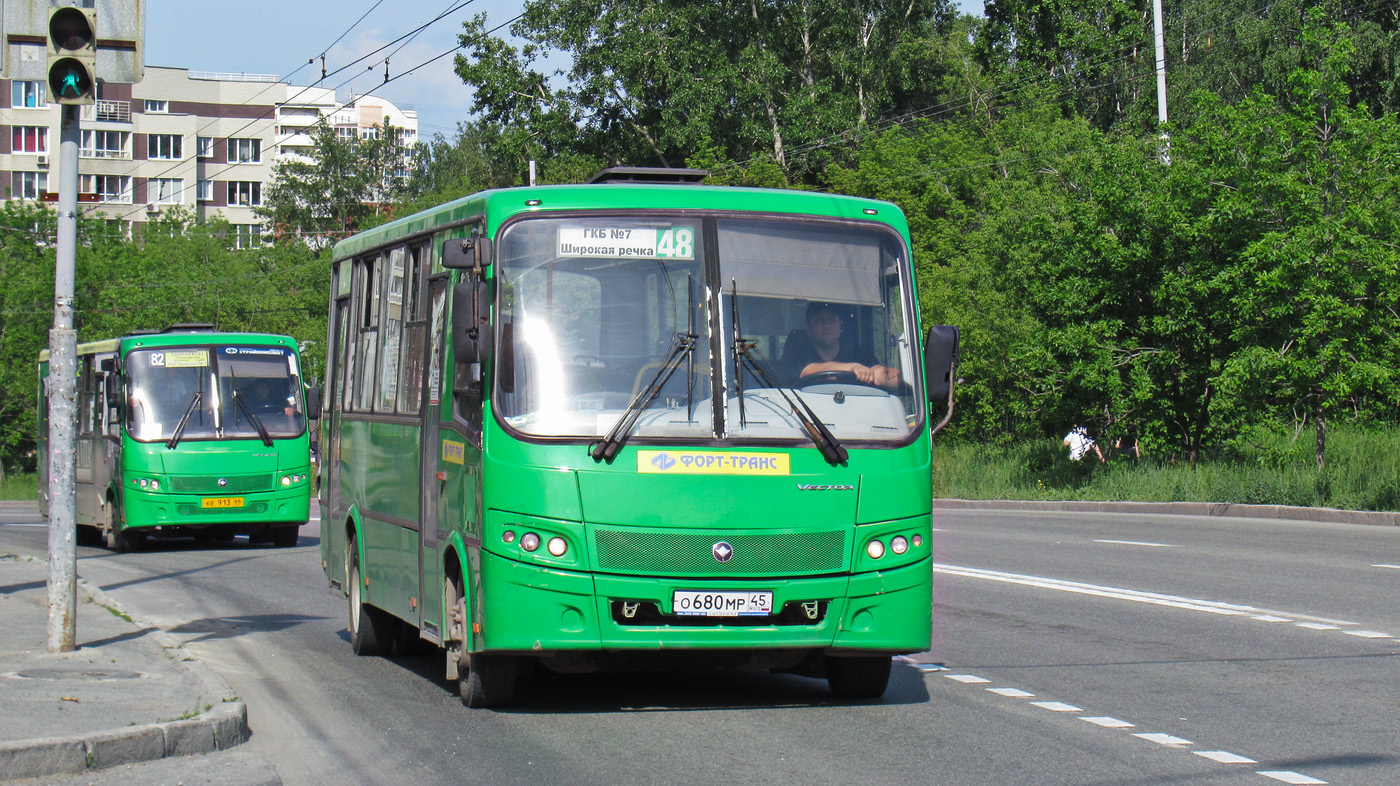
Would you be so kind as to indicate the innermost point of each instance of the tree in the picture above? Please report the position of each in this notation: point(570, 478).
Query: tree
point(345, 186)
point(656, 82)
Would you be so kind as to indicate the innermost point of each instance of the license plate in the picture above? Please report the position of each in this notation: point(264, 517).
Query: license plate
point(693, 603)
point(221, 502)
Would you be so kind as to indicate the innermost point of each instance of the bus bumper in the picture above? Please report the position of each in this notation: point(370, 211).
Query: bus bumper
point(146, 509)
point(538, 610)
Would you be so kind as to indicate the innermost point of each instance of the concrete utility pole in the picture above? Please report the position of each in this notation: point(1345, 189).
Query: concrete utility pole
point(1165, 155)
point(63, 364)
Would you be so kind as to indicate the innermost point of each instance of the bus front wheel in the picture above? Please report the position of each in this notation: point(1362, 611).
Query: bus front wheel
point(864, 677)
point(371, 629)
point(489, 681)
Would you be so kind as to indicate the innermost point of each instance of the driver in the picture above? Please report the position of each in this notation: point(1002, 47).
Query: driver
point(268, 397)
point(823, 351)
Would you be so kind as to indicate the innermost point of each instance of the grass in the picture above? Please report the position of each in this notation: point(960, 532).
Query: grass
point(19, 487)
point(1362, 472)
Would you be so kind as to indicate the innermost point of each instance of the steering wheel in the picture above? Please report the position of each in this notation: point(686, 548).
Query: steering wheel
point(831, 378)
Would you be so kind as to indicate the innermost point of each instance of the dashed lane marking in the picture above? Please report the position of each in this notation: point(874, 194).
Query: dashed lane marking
point(1392, 567)
point(966, 678)
point(1057, 706)
point(1368, 634)
point(1108, 723)
point(1139, 543)
point(1163, 739)
point(1288, 776)
point(1225, 757)
point(1013, 693)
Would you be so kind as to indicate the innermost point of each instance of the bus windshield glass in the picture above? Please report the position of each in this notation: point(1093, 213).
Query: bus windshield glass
point(786, 316)
point(227, 392)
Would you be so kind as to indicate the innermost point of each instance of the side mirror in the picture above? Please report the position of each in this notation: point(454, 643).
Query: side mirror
point(113, 388)
point(313, 402)
point(941, 361)
point(471, 334)
point(467, 253)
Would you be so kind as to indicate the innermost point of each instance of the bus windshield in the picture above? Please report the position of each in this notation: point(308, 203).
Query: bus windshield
point(227, 391)
point(784, 315)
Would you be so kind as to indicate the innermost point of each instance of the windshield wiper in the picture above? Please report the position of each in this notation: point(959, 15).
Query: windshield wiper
point(254, 419)
point(747, 352)
point(184, 421)
point(604, 450)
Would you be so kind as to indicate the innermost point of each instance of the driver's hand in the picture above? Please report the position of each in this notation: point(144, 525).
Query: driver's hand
point(886, 377)
point(865, 374)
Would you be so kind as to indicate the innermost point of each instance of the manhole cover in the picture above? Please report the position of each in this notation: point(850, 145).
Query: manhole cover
point(76, 674)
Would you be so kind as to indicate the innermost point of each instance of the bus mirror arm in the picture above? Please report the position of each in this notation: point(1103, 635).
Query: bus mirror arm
point(941, 367)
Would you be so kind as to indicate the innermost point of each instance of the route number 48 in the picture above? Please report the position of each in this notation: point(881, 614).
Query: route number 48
point(676, 243)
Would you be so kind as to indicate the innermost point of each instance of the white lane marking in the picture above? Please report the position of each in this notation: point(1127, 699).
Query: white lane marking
point(1368, 634)
point(1270, 618)
point(1013, 693)
point(1163, 739)
point(25, 525)
point(966, 678)
point(1109, 723)
point(1225, 757)
point(1392, 567)
point(1057, 706)
point(1288, 776)
point(1139, 543)
point(1316, 626)
point(1119, 593)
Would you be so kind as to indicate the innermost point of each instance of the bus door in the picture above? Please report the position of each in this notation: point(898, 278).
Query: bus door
point(340, 357)
point(431, 459)
point(107, 424)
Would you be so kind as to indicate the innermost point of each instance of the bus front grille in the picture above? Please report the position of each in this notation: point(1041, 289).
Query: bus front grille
point(210, 484)
point(693, 553)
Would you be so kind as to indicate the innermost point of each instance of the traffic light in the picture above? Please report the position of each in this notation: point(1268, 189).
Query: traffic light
point(73, 55)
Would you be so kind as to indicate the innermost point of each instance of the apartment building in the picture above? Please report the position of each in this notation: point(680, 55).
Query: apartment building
point(205, 141)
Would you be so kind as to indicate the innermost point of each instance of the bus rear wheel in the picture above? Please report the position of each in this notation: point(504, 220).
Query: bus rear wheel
point(489, 681)
point(864, 677)
point(371, 629)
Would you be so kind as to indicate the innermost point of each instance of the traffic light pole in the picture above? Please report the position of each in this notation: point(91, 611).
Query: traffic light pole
point(62, 393)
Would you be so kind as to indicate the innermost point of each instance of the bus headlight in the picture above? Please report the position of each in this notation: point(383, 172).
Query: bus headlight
point(529, 541)
point(899, 544)
point(557, 546)
point(147, 484)
point(875, 549)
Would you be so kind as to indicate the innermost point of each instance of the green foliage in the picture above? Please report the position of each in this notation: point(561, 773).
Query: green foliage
point(1272, 468)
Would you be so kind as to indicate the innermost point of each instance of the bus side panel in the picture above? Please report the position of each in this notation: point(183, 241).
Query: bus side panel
point(382, 482)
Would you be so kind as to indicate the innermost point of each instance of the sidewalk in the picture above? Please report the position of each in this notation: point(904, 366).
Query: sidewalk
point(128, 694)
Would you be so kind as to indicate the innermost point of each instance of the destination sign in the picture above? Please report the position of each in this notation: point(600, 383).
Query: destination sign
point(627, 242)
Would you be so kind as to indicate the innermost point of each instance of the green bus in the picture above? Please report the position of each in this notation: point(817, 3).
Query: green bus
point(634, 421)
point(186, 432)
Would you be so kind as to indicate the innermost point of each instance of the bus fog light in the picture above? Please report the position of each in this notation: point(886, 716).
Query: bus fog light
point(899, 544)
point(508, 536)
point(875, 549)
point(557, 546)
point(530, 541)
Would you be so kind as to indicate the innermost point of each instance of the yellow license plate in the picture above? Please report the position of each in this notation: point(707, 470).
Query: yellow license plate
point(221, 502)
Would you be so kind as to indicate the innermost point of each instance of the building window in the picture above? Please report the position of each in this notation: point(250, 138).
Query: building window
point(29, 185)
point(247, 235)
point(244, 192)
point(205, 145)
point(369, 133)
point(164, 146)
point(205, 191)
point(30, 139)
point(105, 144)
point(157, 107)
point(29, 95)
point(244, 151)
point(165, 190)
point(344, 132)
point(108, 188)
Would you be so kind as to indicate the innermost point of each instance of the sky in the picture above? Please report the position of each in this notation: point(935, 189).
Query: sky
point(280, 36)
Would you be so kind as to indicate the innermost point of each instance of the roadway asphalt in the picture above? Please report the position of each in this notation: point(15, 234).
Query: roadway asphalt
point(132, 695)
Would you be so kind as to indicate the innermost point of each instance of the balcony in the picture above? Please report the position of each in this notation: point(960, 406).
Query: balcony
point(108, 112)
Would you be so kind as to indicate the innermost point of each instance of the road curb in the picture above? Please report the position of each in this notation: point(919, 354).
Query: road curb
point(1210, 509)
point(222, 726)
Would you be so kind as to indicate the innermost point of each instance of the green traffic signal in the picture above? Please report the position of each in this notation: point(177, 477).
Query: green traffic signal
point(72, 55)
